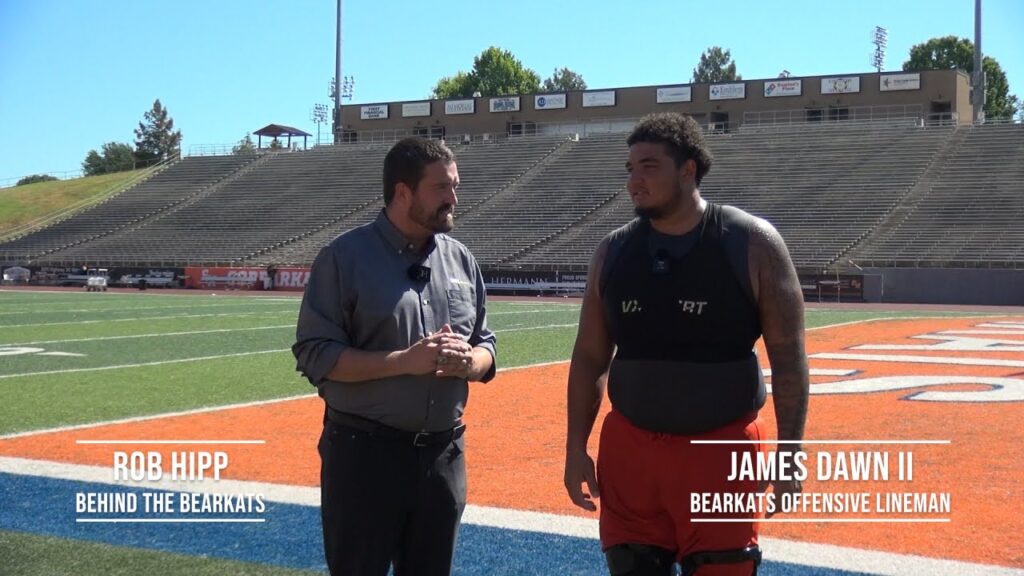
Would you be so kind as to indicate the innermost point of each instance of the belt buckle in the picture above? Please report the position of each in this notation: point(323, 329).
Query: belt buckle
point(416, 440)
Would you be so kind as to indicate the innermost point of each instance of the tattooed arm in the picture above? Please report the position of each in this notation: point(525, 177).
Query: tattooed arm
point(781, 308)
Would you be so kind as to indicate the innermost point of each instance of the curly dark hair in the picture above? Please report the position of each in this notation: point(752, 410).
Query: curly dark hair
point(680, 134)
point(407, 160)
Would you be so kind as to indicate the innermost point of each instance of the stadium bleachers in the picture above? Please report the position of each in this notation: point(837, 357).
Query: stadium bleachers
point(877, 193)
point(971, 214)
point(484, 170)
point(823, 187)
point(580, 178)
point(161, 192)
point(290, 194)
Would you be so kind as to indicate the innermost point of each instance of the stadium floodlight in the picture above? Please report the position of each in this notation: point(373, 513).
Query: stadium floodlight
point(348, 87)
point(880, 39)
point(319, 115)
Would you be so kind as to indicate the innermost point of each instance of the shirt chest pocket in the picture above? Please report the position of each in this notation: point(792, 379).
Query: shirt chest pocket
point(462, 310)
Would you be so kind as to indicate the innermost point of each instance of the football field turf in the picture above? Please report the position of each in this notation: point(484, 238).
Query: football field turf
point(89, 367)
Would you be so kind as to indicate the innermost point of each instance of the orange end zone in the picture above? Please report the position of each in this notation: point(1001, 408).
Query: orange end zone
point(516, 441)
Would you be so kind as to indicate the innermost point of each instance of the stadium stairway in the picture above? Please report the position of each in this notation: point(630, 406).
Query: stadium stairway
point(909, 203)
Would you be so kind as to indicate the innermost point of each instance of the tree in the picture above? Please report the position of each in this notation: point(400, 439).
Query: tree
point(115, 158)
point(275, 144)
point(716, 65)
point(496, 72)
point(155, 138)
point(36, 178)
point(564, 80)
point(245, 146)
point(453, 86)
point(949, 53)
point(93, 164)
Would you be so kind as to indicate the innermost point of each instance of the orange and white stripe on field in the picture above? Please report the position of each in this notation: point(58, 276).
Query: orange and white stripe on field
point(955, 379)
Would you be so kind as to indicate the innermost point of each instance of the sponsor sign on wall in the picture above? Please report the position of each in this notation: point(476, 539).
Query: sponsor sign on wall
point(460, 106)
point(411, 109)
point(549, 101)
point(519, 281)
point(782, 87)
point(374, 112)
point(291, 279)
point(602, 98)
point(727, 91)
point(667, 94)
point(221, 278)
point(841, 85)
point(505, 104)
point(893, 82)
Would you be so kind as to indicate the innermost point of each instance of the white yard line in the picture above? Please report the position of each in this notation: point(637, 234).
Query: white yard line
point(909, 358)
point(523, 303)
point(528, 328)
point(141, 364)
point(152, 335)
point(222, 330)
point(119, 309)
point(204, 410)
point(143, 318)
point(146, 418)
point(515, 312)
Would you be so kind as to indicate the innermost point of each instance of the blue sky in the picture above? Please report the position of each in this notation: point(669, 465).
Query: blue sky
point(76, 73)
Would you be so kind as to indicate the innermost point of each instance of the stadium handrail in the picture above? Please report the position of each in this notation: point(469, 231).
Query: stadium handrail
point(850, 114)
point(60, 175)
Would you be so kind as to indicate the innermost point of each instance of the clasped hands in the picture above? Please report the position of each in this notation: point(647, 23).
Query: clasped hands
point(443, 353)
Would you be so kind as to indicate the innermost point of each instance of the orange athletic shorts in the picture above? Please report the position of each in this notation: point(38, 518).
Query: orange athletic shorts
point(646, 479)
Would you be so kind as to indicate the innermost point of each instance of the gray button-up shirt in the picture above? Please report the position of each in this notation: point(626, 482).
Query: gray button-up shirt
point(360, 294)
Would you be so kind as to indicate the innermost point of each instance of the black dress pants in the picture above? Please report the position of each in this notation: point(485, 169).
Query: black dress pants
point(385, 501)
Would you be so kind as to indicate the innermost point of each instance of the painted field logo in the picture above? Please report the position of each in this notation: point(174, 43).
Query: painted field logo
point(955, 360)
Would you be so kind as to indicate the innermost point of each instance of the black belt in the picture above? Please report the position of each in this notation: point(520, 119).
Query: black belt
point(377, 429)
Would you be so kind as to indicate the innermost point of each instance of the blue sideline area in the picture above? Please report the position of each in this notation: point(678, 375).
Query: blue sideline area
point(291, 537)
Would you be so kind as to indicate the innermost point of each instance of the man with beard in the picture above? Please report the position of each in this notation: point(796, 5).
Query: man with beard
point(675, 301)
point(391, 330)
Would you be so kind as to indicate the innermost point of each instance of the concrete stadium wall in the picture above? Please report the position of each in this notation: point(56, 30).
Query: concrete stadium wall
point(951, 286)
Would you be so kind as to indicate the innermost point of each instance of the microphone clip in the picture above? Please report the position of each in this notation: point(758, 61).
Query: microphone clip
point(418, 273)
point(661, 264)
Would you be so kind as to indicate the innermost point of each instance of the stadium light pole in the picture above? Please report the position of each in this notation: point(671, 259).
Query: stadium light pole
point(880, 40)
point(319, 116)
point(978, 79)
point(338, 126)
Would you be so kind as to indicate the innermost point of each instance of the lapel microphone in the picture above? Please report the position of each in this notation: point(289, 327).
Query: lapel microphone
point(662, 263)
point(418, 273)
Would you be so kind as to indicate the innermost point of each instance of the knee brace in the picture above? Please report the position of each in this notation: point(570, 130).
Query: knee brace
point(692, 562)
point(639, 560)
